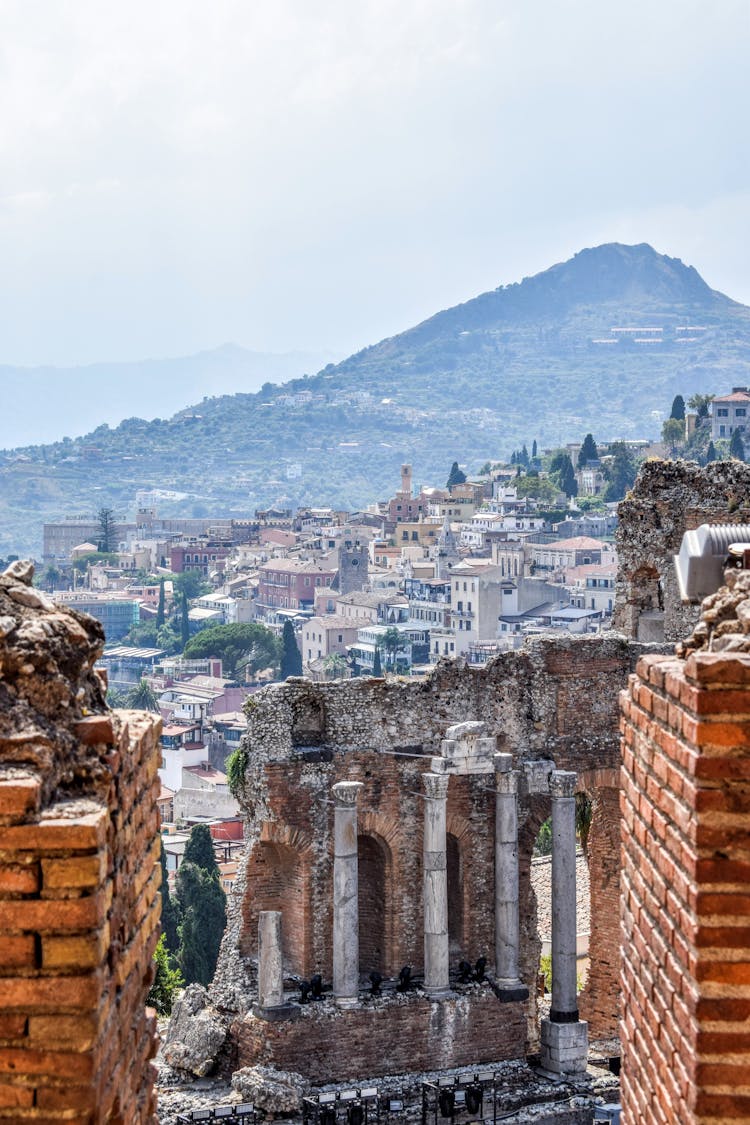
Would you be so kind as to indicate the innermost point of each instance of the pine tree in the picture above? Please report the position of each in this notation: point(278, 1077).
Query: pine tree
point(533, 450)
point(185, 621)
point(736, 446)
point(678, 408)
point(377, 668)
point(200, 849)
point(169, 915)
point(160, 609)
point(291, 657)
point(588, 451)
point(711, 454)
point(456, 476)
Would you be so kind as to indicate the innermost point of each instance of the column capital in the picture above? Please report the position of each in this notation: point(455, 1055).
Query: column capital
point(562, 783)
point(506, 778)
point(436, 785)
point(346, 793)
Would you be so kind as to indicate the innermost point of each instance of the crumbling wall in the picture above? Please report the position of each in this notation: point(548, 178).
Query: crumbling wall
point(668, 499)
point(79, 874)
point(552, 700)
point(685, 939)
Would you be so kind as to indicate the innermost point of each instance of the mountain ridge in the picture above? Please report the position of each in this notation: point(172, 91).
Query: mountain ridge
point(535, 359)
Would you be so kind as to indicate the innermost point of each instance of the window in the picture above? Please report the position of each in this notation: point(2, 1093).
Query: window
point(722, 412)
point(722, 430)
point(459, 606)
point(740, 412)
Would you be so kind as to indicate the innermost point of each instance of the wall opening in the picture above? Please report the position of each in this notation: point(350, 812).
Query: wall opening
point(372, 858)
point(454, 862)
point(277, 880)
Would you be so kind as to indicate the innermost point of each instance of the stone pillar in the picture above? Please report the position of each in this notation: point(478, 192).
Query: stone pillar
point(270, 970)
point(564, 1036)
point(506, 881)
point(345, 895)
point(436, 946)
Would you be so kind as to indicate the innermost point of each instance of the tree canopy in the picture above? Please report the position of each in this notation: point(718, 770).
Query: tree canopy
point(673, 433)
point(620, 470)
point(249, 645)
point(456, 476)
point(291, 657)
point(204, 916)
point(200, 849)
point(678, 408)
point(737, 446)
point(106, 536)
point(588, 451)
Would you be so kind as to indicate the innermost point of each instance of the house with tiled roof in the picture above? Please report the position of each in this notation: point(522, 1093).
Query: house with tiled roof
point(730, 413)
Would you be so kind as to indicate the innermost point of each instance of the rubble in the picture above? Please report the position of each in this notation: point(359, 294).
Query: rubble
point(196, 1033)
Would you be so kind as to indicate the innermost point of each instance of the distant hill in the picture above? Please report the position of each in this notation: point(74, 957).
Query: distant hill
point(78, 399)
point(602, 342)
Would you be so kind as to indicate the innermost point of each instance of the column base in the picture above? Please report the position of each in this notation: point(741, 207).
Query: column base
point(438, 993)
point(565, 1047)
point(346, 1001)
point(508, 989)
point(280, 1012)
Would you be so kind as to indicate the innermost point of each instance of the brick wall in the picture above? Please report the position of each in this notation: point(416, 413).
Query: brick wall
point(685, 903)
point(401, 1034)
point(79, 920)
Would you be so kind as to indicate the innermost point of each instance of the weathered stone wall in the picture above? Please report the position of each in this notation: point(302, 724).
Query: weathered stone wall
point(79, 874)
point(685, 935)
point(553, 700)
point(668, 499)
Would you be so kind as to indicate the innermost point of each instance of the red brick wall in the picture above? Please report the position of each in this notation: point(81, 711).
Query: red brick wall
point(79, 920)
point(393, 1036)
point(685, 903)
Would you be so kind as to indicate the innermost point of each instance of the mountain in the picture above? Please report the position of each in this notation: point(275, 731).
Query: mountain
point(602, 342)
point(74, 402)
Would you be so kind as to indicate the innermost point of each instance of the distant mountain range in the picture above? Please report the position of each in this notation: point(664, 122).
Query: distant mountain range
point(602, 342)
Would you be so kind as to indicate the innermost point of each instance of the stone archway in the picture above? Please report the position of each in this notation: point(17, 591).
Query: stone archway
point(278, 878)
point(374, 864)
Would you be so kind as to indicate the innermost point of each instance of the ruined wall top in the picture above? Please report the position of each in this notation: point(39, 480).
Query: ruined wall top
point(668, 499)
point(50, 696)
point(724, 624)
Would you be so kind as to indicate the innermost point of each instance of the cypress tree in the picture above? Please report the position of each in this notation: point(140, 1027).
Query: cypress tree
point(377, 668)
point(203, 922)
point(160, 614)
point(736, 446)
point(588, 451)
point(456, 476)
point(533, 450)
point(185, 621)
point(711, 452)
point(169, 915)
point(200, 849)
point(291, 657)
point(678, 408)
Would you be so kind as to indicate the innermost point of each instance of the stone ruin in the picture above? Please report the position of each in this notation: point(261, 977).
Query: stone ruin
point(79, 874)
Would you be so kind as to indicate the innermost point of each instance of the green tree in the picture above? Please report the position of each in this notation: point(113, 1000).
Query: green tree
point(678, 408)
point(736, 447)
point(237, 646)
point(291, 657)
point(200, 849)
point(620, 471)
point(184, 621)
point(456, 476)
point(50, 577)
point(533, 450)
point(169, 914)
point(142, 697)
point(167, 980)
point(377, 669)
point(393, 643)
point(204, 917)
point(83, 562)
point(539, 488)
point(335, 666)
point(160, 609)
point(588, 451)
point(700, 404)
point(563, 472)
point(190, 583)
point(236, 764)
point(711, 454)
point(673, 433)
point(107, 538)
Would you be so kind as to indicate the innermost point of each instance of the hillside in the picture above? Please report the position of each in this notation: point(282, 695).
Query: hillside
point(537, 359)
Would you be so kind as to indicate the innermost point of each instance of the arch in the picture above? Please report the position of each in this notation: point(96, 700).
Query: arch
point(646, 598)
point(375, 905)
point(278, 878)
point(308, 719)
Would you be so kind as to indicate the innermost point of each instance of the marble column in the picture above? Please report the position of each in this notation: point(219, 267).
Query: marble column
point(564, 1036)
point(345, 895)
point(270, 970)
point(507, 976)
point(436, 943)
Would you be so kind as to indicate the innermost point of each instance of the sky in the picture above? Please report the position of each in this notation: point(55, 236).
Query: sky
point(318, 174)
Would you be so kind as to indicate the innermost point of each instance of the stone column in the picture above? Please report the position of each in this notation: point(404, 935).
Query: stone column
point(345, 895)
point(270, 971)
point(564, 1036)
point(506, 880)
point(436, 948)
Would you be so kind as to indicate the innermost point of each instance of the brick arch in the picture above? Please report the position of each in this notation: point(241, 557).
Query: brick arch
point(279, 878)
point(375, 877)
point(600, 999)
point(459, 839)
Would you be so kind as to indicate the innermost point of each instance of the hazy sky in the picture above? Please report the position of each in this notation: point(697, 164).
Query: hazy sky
point(318, 174)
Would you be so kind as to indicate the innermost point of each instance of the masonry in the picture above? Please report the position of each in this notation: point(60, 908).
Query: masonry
point(686, 866)
point(79, 874)
point(551, 703)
